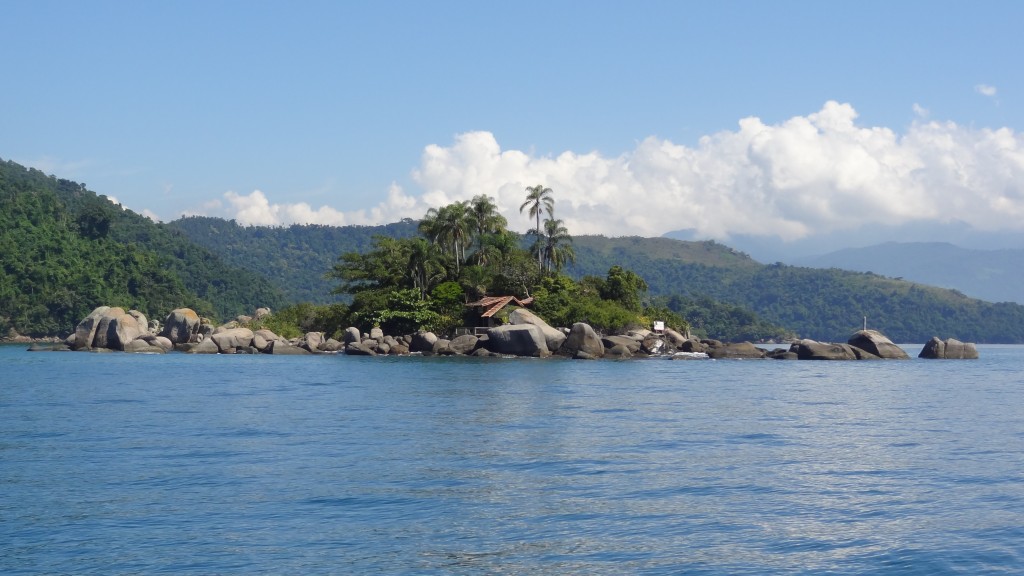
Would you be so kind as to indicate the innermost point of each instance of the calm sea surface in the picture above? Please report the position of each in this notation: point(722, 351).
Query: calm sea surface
point(139, 464)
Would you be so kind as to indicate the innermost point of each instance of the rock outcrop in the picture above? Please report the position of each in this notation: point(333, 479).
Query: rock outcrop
point(948, 349)
point(552, 336)
point(181, 325)
point(877, 344)
point(582, 342)
point(518, 340)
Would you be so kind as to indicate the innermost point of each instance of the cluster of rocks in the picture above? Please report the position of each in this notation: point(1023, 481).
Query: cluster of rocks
point(526, 334)
point(111, 328)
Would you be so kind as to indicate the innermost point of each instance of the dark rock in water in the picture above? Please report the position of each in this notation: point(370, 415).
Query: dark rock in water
point(610, 342)
point(875, 343)
point(693, 345)
point(738, 350)
point(949, 349)
point(204, 347)
point(359, 349)
point(618, 351)
point(464, 344)
point(47, 347)
point(282, 348)
point(811, 350)
point(782, 354)
point(398, 350)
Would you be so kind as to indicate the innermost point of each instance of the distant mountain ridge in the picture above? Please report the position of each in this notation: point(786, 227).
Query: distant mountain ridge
point(992, 275)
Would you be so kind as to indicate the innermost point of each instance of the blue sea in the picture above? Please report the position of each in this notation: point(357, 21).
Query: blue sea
point(180, 464)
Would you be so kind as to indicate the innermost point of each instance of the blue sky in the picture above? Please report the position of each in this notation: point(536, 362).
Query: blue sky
point(337, 112)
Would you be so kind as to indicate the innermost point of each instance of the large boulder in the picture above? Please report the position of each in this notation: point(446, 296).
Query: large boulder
point(143, 347)
point(205, 347)
point(812, 350)
point(653, 345)
point(877, 344)
point(359, 349)
point(141, 319)
point(181, 324)
point(102, 337)
point(949, 349)
point(122, 330)
point(229, 340)
point(518, 340)
point(674, 338)
point(283, 348)
point(553, 336)
point(313, 341)
point(423, 342)
point(159, 341)
point(582, 340)
point(85, 332)
point(631, 344)
point(351, 334)
point(736, 350)
point(463, 344)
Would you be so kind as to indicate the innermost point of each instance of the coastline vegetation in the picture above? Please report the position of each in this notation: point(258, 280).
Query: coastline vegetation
point(66, 250)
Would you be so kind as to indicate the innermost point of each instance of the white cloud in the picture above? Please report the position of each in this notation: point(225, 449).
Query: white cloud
point(809, 175)
point(151, 215)
point(920, 111)
point(985, 90)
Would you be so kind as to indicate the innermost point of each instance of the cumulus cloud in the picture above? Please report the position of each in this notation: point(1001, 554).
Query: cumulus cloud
point(809, 175)
point(985, 90)
point(256, 209)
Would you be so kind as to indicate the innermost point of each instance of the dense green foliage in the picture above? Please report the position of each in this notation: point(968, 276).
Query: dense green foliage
point(819, 304)
point(66, 250)
point(466, 252)
point(294, 258)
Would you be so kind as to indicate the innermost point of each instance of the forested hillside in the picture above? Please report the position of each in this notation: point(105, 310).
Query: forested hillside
point(709, 283)
point(820, 304)
point(293, 257)
point(66, 250)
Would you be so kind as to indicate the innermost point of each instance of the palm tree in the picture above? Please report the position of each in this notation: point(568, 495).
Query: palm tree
point(485, 220)
point(424, 267)
point(539, 199)
point(447, 227)
point(556, 245)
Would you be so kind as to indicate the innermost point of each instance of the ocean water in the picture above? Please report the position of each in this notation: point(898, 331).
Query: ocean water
point(179, 464)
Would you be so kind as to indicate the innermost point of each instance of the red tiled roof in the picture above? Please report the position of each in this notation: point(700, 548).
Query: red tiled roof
point(492, 304)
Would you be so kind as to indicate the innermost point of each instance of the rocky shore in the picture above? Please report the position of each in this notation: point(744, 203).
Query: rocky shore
point(526, 335)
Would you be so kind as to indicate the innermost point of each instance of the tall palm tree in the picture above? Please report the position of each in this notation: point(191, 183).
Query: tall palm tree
point(485, 219)
point(539, 199)
point(556, 245)
point(424, 268)
point(449, 227)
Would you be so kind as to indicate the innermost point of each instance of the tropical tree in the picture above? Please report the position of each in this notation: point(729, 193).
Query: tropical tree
point(556, 245)
point(539, 199)
point(449, 227)
point(485, 220)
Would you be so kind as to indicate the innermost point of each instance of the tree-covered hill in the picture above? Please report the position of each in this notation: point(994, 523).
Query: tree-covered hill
point(292, 257)
point(65, 250)
point(690, 276)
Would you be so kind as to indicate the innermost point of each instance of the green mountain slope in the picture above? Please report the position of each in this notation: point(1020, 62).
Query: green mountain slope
point(64, 250)
point(820, 304)
point(293, 257)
